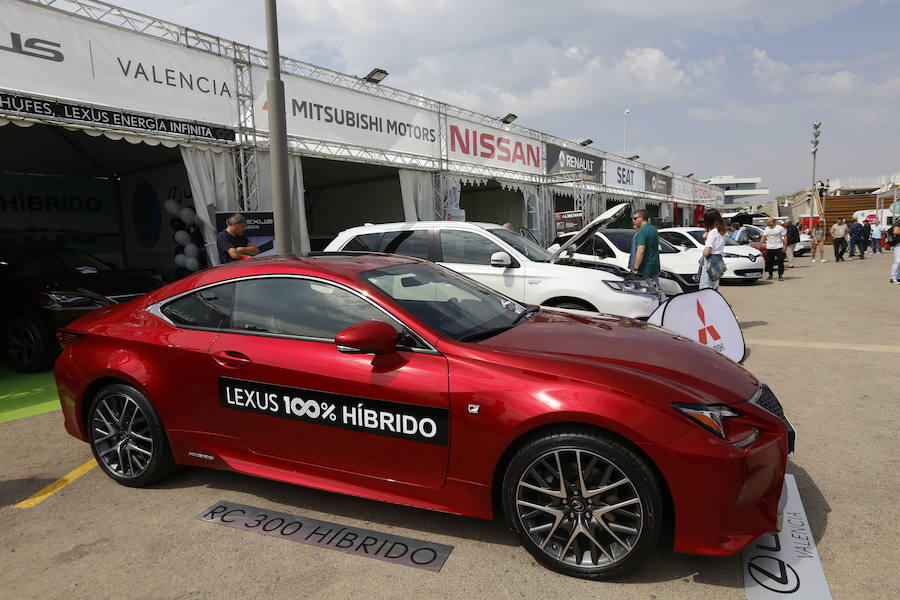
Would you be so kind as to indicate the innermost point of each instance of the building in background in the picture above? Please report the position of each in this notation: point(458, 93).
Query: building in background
point(739, 191)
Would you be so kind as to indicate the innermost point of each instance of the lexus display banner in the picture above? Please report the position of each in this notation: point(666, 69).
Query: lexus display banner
point(49, 53)
point(620, 175)
point(566, 160)
point(328, 112)
point(37, 107)
point(489, 147)
point(260, 229)
point(704, 317)
point(658, 183)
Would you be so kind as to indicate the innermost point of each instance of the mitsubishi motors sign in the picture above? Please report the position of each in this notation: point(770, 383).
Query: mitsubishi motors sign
point(56, 55)
point(328, 112)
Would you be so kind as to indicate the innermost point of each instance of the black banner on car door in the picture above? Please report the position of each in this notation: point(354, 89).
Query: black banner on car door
point(381, 417)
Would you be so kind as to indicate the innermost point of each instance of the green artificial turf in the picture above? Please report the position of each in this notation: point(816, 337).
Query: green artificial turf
point(26, 394)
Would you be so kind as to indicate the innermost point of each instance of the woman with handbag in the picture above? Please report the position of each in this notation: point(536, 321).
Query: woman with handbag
point(712, 266)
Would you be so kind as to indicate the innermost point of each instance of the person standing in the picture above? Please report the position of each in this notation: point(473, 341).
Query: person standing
point(792, 236)
point(775, 243)
point(644, 257)
point(818, 240)
point(857, 240)
point(712, 267)
point(895, 268)
point(735, 232)
point(877, 229)
point(839, 235)
point(232, 242)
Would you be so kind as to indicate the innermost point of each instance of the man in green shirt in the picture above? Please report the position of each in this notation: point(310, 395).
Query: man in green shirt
point(645, 249)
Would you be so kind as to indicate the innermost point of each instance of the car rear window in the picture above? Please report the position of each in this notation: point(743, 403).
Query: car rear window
point(367, 242)
point(408, 243)
point(209, 308)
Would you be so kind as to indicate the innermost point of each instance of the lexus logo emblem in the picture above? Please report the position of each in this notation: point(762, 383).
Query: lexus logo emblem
point(774, 574)
point(577, 505)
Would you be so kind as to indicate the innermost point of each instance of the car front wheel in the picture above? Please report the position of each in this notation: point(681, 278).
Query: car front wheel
point(127, 437)
point(27, 347)
point(581, 503)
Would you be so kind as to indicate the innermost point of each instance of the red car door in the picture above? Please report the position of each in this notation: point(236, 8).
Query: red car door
point(290, 393)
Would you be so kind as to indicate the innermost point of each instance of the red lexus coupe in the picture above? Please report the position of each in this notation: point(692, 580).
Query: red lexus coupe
point(395, 379)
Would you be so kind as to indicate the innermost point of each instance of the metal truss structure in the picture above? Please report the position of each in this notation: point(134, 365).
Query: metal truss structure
point(250, 140)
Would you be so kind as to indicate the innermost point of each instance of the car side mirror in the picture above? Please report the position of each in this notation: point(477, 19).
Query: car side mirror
point(368, 337)
point(501, 259)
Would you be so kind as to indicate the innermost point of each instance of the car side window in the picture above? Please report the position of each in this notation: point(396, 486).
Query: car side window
point(209, 308)
point(595, 247)
point(467, 247)
point(367, 242)
point(408, 243)
point(300, 307)
point(672, 237)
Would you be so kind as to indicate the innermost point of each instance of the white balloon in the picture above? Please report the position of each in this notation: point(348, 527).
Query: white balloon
point(188, 215)
point(191, 250)
point(183, 237)
point(180, 260)
point(192, 263)
point(172, 206)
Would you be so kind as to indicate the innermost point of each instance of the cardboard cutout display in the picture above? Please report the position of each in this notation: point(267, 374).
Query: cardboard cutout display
point(704, 317)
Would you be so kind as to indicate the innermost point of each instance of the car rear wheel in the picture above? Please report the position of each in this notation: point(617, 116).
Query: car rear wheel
point(127, 437)
point(27, 347)
point(572, 304)
point(582, 504)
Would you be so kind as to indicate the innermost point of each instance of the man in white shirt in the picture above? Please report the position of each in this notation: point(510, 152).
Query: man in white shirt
point(775, 244)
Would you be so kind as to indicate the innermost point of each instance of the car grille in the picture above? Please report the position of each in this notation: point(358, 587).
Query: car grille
point(766, 400)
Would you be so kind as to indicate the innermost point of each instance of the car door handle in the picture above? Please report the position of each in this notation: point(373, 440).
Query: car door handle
point(231, 359)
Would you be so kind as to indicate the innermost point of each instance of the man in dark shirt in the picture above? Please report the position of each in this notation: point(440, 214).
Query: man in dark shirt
point(232, 242)
point(644, 257)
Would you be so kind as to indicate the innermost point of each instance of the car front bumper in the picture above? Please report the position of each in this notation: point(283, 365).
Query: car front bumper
point(723, 497)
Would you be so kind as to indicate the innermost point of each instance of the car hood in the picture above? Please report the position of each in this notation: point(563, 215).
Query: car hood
point(590, 229)
point(104, 283)
point(580, 346)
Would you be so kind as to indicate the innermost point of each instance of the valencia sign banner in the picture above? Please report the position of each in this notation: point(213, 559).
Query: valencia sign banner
point(49, 53)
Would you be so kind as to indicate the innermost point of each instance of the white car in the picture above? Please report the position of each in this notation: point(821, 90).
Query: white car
point(742, 263)
point(753, 233)
point(509, 263)
point(679, 271)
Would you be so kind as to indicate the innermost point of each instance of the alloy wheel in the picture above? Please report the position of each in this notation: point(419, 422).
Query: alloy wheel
point(579, 509)
point(121, 436)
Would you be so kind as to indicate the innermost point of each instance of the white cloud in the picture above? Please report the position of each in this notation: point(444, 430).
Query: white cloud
point(841, 82)
point(733, 111)
point(770, 74)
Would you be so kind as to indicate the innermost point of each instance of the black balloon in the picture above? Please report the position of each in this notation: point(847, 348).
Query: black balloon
point(177, 224)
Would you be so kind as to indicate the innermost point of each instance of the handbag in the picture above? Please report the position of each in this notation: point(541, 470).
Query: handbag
point(715, 268)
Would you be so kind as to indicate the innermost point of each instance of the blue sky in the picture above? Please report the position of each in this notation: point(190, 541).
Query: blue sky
point(714, 86)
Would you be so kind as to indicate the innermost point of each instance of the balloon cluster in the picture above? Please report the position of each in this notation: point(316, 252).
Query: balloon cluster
point(188, 254)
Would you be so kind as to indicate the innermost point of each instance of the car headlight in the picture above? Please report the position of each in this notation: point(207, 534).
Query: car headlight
point(70, 299)
point(711, 417)
point(633, 286)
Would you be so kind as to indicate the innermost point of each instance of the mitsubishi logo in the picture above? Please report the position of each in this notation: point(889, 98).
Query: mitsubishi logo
point(702, 331)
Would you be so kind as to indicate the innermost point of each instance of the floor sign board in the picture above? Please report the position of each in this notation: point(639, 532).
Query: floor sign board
point(786, 564)
point(704, 317)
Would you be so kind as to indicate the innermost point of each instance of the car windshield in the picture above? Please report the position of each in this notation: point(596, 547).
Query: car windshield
point(522, 244)
point(449, 303)
point(38, 261)
point(621, 238)
point(697, 234)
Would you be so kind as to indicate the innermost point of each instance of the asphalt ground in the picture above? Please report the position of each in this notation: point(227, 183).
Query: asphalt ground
point(827, 340)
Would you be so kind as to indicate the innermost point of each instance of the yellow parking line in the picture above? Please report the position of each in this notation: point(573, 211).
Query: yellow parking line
point(57, 485)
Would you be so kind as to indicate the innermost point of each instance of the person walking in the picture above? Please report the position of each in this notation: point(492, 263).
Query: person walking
point(712, 265)
point(792, 236)
point(839, 236)
point(644, 258)
point(775, 243)
point(818, 240)
point(895, 243)
point(877, 230)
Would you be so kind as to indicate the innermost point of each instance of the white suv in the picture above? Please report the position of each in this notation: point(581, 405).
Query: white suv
point(509, 263)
